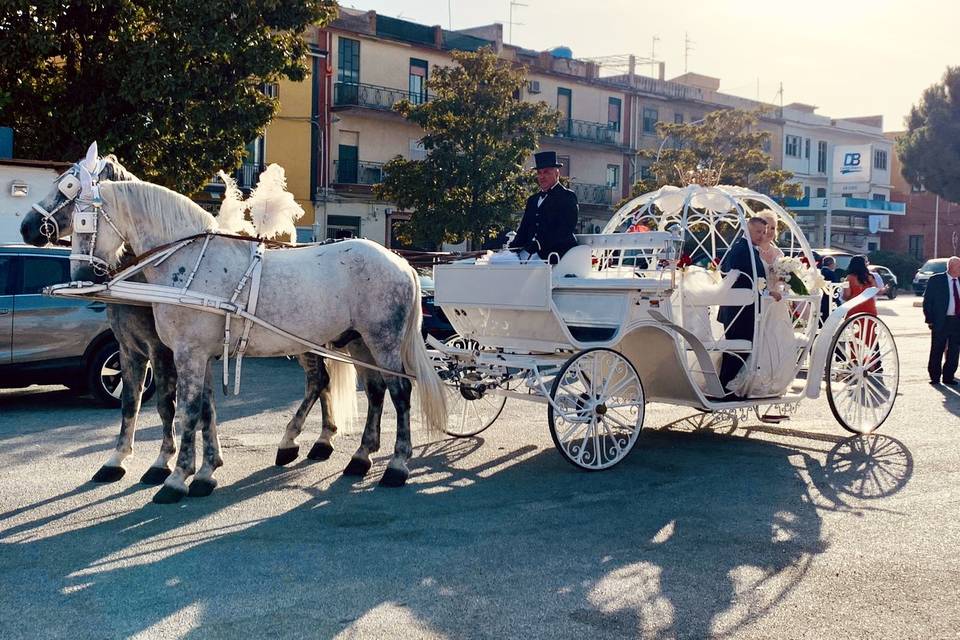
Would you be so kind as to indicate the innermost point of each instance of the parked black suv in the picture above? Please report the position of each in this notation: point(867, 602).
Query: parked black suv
point(48, 340)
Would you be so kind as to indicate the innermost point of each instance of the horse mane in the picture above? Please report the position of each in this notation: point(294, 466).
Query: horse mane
point(175, 215)
point(116, 171)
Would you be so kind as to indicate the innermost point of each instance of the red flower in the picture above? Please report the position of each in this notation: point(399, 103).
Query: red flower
point(684, 261)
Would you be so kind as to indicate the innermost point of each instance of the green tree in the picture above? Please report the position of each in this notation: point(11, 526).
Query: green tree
point(929, 151)
point(173, 87)
point(476, 137)
point(727, 142)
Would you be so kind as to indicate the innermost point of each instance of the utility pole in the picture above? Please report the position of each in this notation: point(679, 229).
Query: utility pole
point(687, 48)
point(936, 229)
point(450, 15)
point(514, 3)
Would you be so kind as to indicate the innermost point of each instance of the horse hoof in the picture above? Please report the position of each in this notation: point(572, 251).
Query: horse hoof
point(202, 487)
point(320, 451)
point(286, 456)
point(357, 467)
point(108, 474)
point(155, 475)
point(168, 495)
point(394, 478)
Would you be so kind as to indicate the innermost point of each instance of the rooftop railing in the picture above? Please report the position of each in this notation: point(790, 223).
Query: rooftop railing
point(585, 131)
point(595, 194)
point(370, 96)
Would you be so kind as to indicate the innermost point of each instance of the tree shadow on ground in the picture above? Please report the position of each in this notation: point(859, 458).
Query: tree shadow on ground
point(697, 534)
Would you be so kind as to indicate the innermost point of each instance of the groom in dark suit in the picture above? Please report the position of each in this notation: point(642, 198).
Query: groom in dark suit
point(738, 321)
point(941, 309)
point(550, 217)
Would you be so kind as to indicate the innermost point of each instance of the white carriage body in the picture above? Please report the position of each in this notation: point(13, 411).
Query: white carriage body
point(623, 290)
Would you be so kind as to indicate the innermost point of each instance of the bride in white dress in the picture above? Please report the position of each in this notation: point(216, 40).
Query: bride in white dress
point(770, 368)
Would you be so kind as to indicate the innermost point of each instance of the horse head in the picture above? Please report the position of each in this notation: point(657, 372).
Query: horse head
point(51, 218)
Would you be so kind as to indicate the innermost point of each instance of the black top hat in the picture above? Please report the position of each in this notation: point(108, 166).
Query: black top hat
point(546, 160)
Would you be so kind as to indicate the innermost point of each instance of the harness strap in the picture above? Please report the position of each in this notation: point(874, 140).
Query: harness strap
point(251, 308)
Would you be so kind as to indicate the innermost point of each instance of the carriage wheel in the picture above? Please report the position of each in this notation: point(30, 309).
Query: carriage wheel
point(597, 410)
point(863, 373)
point(469, 412)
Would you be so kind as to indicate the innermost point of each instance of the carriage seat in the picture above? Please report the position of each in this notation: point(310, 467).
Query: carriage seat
point(575, 263)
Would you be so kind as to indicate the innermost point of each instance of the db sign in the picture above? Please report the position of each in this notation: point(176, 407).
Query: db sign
point(852, 163)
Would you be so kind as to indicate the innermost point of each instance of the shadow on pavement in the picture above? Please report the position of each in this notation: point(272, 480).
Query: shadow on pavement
point(698, 533)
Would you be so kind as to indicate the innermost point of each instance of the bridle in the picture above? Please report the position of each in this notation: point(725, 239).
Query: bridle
point(81, 188)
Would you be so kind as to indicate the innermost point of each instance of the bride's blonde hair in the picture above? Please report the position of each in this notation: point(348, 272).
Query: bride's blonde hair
point(769, 217)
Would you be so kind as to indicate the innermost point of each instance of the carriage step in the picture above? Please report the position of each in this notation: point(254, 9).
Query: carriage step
point(771, 418)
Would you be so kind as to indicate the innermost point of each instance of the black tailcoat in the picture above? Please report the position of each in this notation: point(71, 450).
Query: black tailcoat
point(739, 327)
point(551, 225)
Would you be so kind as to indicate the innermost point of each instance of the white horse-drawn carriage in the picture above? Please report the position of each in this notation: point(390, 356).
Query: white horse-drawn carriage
point(629, 317)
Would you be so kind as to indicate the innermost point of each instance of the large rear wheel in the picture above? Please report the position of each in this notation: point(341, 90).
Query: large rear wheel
point(597, 409)
point(863, 373)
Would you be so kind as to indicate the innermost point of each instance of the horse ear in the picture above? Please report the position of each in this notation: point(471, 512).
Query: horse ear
point(90, 162)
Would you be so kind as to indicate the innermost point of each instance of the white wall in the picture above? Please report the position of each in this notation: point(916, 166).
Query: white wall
point(12, 210)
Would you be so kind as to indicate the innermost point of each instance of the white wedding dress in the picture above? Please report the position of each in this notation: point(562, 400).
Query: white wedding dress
point(769, 370)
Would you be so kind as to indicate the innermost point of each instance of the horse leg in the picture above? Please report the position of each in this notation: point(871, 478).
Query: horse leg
point(315, 380)
point(165, 377)
point(133, 371)
point(204, 483)
point(191, 378)
point(397, 470)
point(375, 389)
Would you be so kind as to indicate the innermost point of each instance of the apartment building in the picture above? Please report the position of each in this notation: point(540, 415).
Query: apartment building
point(932, 230)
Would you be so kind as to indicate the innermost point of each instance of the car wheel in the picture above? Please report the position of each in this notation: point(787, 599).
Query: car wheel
point(103, 376)
point(891, 292)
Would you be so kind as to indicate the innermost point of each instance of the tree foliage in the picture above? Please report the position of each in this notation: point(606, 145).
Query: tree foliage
point(173, 87)
point(726, 141)
point(476, 137)
point(929, 151)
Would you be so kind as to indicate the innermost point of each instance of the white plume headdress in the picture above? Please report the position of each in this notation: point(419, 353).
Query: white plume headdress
point(273, 209)
point(233, 208)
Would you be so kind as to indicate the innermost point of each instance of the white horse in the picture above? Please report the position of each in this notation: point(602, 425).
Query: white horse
point(354, 294)
point(332, 383)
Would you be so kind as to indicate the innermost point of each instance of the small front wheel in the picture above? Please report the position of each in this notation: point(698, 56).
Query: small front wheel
point(470, 409)
point(597, 408)
point(863, 373)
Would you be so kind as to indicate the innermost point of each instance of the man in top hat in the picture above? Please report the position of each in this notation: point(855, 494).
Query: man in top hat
point(550, 217)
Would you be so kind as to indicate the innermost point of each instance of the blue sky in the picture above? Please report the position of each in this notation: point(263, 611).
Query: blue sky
point(850, 58)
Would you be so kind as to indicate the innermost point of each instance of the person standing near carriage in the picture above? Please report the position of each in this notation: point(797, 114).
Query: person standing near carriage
point(550, 216)
point(941, 310)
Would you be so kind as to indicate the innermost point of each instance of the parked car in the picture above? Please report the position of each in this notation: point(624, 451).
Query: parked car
point(434, 322)
point(47, 340)
point(889, 280)
point(929, 268)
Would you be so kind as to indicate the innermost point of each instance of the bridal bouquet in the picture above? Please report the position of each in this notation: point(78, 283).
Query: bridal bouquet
point(790, 270)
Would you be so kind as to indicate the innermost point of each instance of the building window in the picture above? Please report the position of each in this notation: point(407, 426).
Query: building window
point(565, 169)
point(613, 175)
point(806, 148)
point(791, 147)
point(613, 113)
point(916, 247)
point(348, 61)
point(879, 159)
point(418, 81)
point(650, 118)
point(565, 107)
point(343, 227)
point(822, 156)
point(806, 193)
point(678, 118)
point(881, 197)
point(821, 192)
point(417, 152)
point(271, 89)
point(645, 172)
point(767, 145)
point(348, 164)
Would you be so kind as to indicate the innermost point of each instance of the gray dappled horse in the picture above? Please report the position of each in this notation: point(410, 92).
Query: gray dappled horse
point(354, 294)
point(135, 330)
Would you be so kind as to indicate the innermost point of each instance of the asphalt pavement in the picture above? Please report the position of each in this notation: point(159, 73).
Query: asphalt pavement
point(710, 528)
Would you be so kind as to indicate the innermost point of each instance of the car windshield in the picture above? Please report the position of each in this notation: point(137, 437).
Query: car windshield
point(934, 266)
point(426, 283)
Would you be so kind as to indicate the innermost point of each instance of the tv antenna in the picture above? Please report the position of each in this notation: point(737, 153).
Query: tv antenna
point(687, 48)
point(514, 3)
point(653, 55)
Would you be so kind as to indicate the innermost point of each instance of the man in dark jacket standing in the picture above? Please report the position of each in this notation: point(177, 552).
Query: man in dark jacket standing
point(941, 310)
point(550, 217)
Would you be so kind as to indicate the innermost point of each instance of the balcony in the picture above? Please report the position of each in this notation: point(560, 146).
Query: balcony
point(357, 172)
point(847, 205)
point(246, 176)
point(584, 131)
point(593, 194)
point(369, 96)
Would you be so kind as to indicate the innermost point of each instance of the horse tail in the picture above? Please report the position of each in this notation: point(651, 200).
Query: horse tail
point(343, 393)
point(433, 400)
